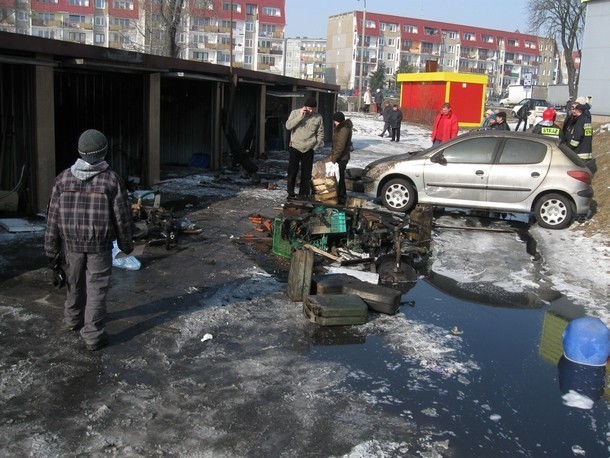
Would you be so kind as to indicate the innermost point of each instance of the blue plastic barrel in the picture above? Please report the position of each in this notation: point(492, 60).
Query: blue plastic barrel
point(586, 341)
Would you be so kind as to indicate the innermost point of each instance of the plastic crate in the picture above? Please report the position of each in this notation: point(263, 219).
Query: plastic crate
point(281, 246)
point(337, 222)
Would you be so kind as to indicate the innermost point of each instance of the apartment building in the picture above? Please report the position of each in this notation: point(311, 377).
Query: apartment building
point(248, 34)
point(505, 57)
point(306, 58)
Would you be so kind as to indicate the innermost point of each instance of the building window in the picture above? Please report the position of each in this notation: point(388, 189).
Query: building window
point(100, 4)
point(452, 35)
point(46, 33)
point(121, 22)
point(248, 60)
point(251, 10)
point(123, 5)
point(78, 2)
point(75, 20)
point(468, 36)
point(393, 27)
point(410, 29)
point(77, 36)
point(381, 41)
point(390, 56)
point(430, 31)
point(512, 42)
point(100, 20)
point(269, 11)
point(248, 43)
point(407, 44)
point(382, 26)
point(226, 6)
point(249, 26)
point(389, 71)
point(99, 38)
point(370, 24)
point(391, 42)
point(200, 55)
point(487, 39)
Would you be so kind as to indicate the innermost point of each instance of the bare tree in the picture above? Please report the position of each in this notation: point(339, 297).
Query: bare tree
point(165, 20)
point(564, 21)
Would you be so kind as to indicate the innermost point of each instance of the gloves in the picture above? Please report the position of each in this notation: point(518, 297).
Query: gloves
point(59, 276)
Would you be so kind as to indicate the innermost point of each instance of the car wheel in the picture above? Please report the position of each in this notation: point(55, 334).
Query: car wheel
point(554, 211)
point(398, 195)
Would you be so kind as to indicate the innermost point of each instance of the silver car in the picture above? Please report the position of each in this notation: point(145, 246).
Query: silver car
point(488, 170)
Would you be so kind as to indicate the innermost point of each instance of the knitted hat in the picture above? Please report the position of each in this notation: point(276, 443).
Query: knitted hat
point(580, 107)
point(339, 117)
point(92, 146)
point(310, 102)
point(581, 100)
point(492, 117)
point(489, 112)
point(501, 114)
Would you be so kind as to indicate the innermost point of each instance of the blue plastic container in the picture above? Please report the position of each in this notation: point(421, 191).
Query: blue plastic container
point(586, 341)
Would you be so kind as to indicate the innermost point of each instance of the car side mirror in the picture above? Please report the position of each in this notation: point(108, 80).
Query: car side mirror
point(438, 158)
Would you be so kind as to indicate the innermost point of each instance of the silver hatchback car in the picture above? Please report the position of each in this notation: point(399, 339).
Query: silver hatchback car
point(487, 170)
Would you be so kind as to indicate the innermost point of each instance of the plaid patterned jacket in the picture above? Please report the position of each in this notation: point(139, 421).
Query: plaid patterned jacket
point(87, 215)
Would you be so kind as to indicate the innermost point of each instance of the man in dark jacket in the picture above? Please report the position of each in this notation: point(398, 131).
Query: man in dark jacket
point(522, 115)
point(387, 111)
point(378, 97)
point(88, 210)
point(395, 123)
point(341, 150)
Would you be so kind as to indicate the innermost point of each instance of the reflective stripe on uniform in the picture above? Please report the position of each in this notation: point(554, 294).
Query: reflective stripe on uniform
point(586, 156)
point(550, 131)
point(574, 143)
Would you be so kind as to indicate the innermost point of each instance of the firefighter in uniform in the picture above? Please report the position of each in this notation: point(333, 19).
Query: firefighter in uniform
point(579, 136)
point(547, 126)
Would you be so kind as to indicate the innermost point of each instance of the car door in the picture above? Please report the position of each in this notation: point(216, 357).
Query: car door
point(518, 171)
point(461, 176)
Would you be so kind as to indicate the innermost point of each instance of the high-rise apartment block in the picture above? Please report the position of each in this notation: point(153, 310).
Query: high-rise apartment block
point(306, 58)
point(420, 45)
point(247, 34)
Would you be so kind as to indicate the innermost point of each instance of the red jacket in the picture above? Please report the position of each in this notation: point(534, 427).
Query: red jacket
point(445, 127)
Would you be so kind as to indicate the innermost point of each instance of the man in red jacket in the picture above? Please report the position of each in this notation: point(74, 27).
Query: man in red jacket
point(445, 125)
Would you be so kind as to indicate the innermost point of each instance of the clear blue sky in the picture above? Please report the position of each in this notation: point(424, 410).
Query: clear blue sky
point(309, 17)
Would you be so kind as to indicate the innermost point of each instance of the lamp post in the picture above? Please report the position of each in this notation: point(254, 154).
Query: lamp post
point(361, 57)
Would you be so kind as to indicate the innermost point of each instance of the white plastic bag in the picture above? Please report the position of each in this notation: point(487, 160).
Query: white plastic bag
point(332, 170)
point(125, 262)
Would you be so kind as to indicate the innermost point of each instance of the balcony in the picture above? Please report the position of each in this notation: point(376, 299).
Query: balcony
point(262, 66)
point(277, 52)
point(264, 50)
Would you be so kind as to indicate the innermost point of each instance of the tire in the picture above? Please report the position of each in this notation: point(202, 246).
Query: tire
point(554, 211)
point(398, 195)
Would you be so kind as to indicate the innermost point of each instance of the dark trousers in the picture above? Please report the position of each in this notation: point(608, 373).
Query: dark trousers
point(88, 281)
point(519, 123)
point(305, 162)
point(386, 128)
point(395, 134)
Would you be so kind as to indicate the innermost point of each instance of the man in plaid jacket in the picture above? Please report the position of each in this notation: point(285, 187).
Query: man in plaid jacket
point(88, 210)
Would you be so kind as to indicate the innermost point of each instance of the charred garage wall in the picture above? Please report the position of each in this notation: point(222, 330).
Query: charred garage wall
point(154, 110)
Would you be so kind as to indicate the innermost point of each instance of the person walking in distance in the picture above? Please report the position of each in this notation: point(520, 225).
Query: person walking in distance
point(367, 99)
point(522, 115)
point(341, 149)
point(306, 129)
point(445, 125)
point(387, 111)
point(395, 123)
point(88, 210)
point(378, 100)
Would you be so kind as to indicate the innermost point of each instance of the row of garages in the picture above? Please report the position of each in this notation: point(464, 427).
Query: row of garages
point(154, 110)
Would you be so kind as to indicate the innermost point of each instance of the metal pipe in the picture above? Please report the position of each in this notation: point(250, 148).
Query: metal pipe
point(361, 57)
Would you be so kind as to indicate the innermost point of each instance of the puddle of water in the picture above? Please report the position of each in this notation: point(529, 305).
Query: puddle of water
point(511, 406)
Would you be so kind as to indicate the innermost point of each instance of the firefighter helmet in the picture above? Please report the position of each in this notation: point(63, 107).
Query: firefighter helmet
point(549, 114)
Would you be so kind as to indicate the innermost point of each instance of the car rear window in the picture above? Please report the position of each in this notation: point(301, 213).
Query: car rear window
point(471, 151)
point(522, 151)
